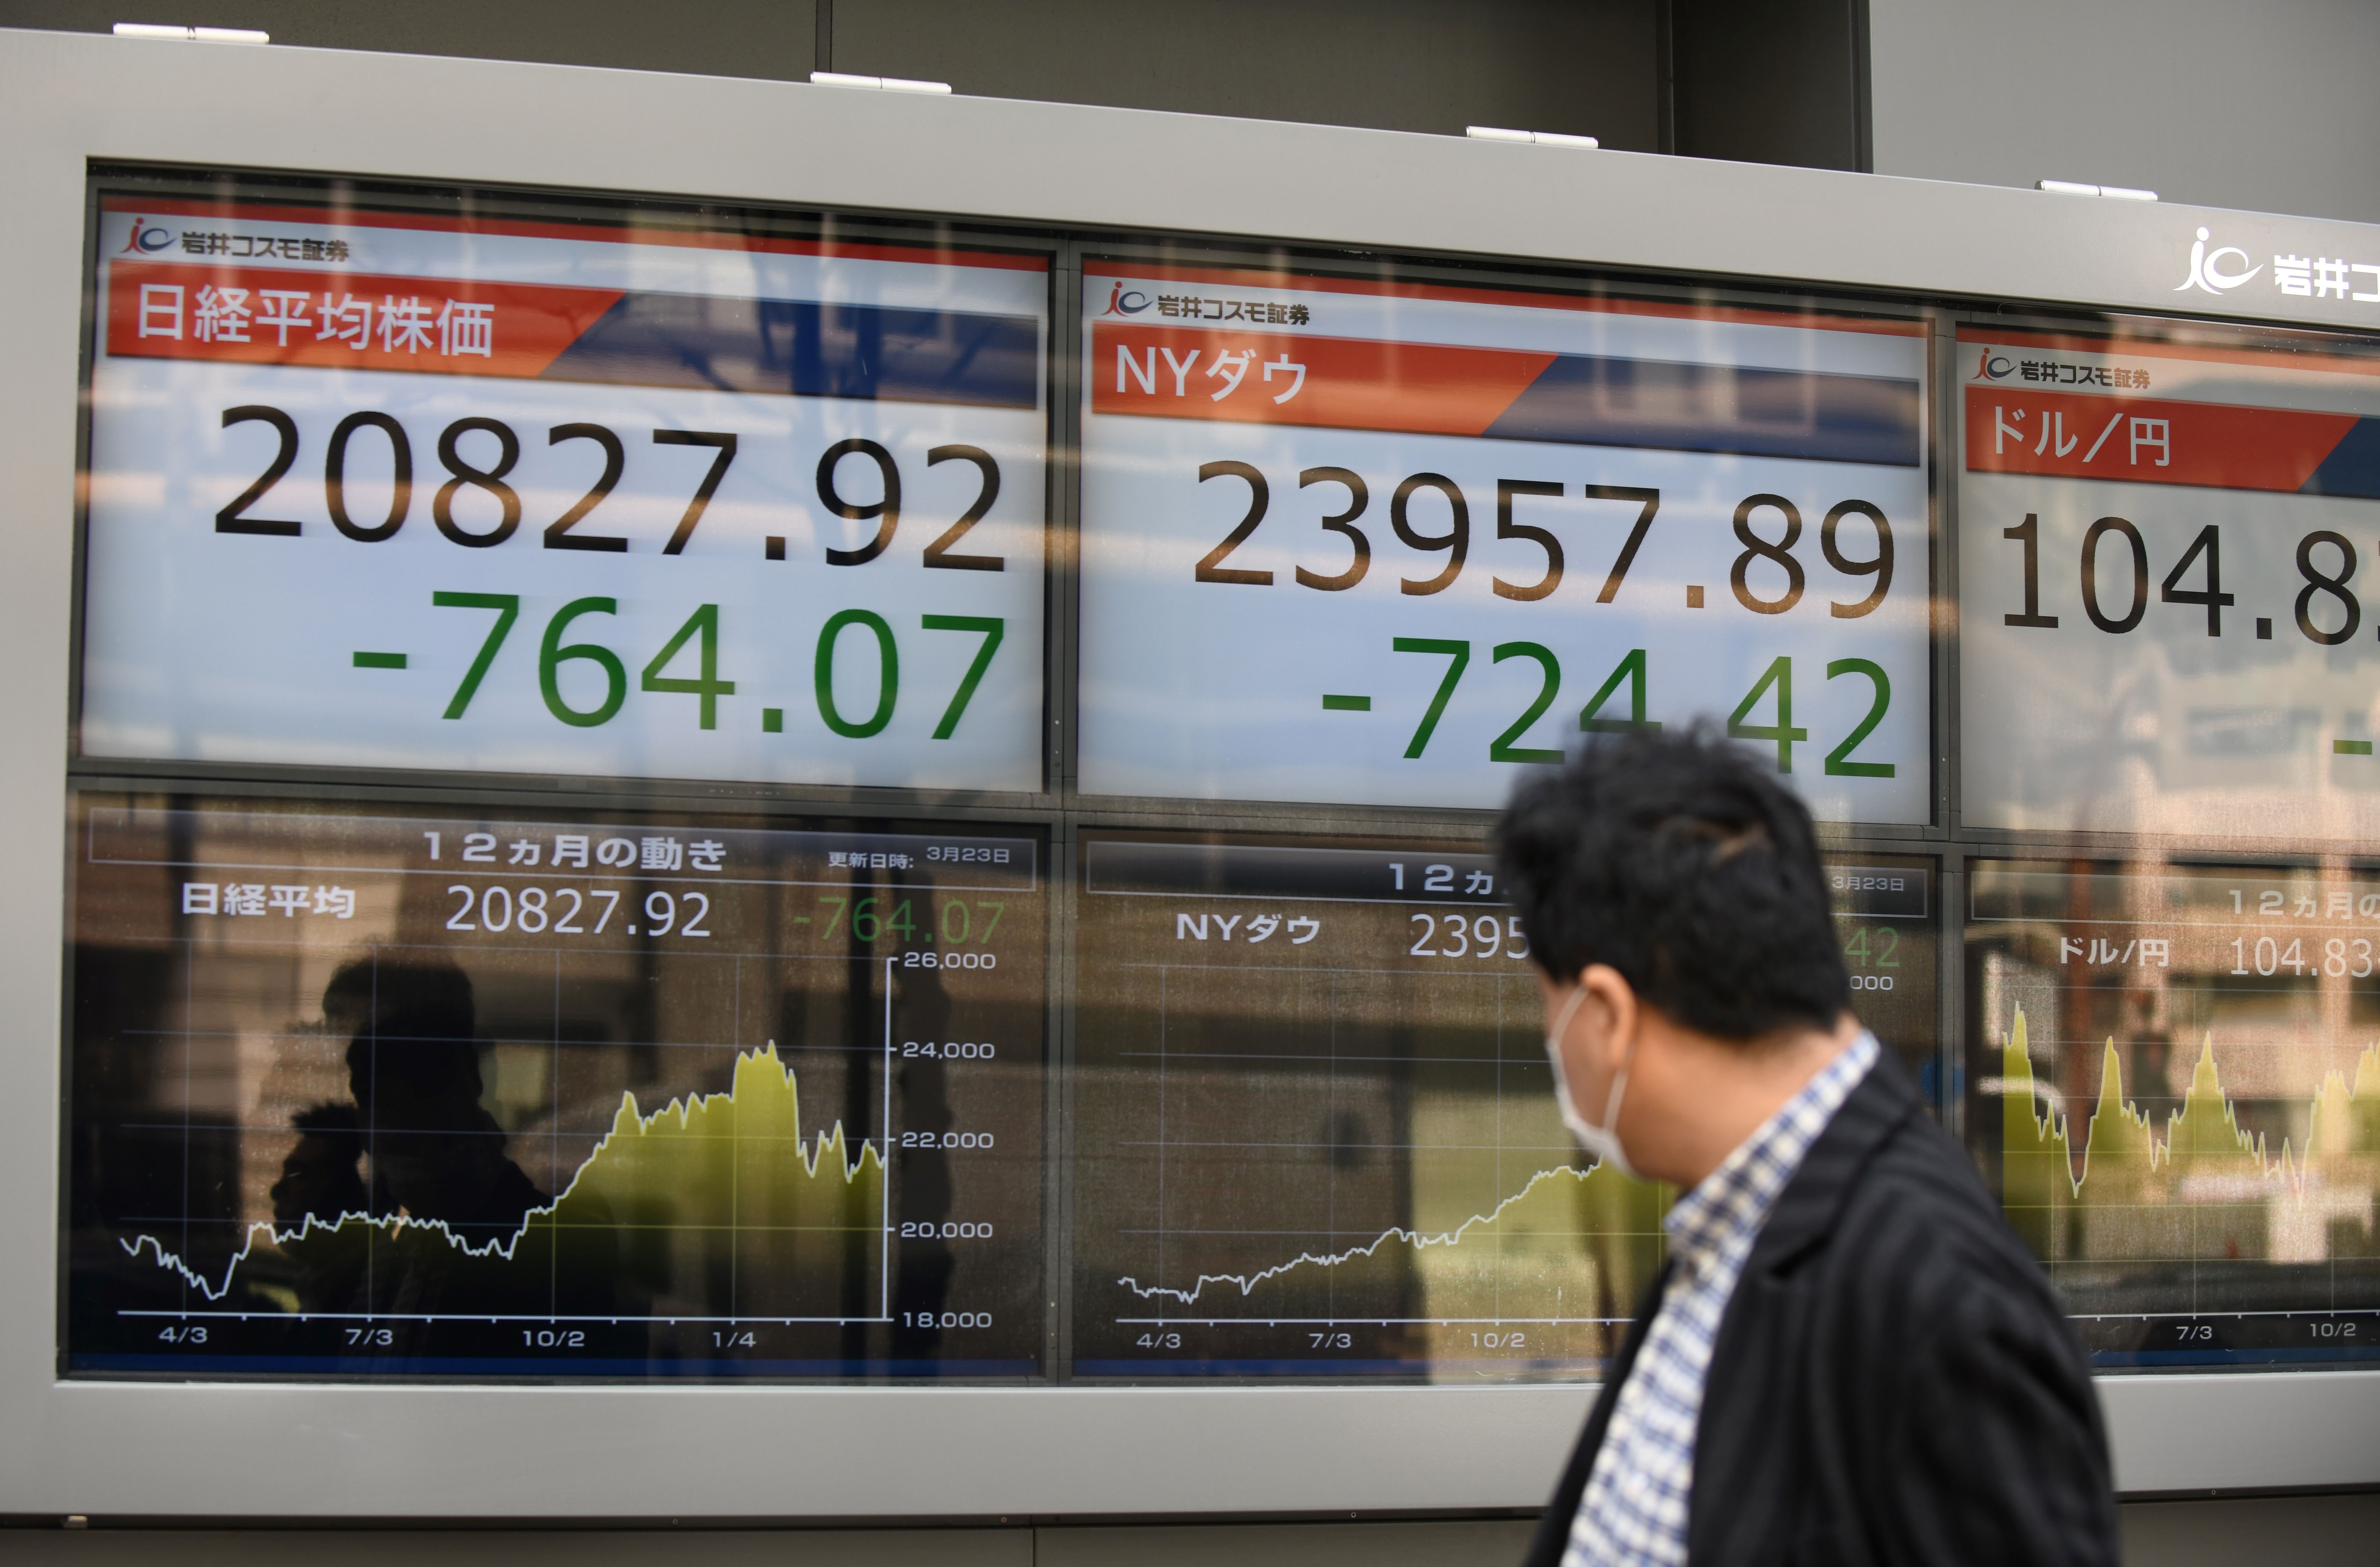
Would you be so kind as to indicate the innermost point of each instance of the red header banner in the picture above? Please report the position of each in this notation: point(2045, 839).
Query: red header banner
point(1335, 382)
point(2147, 441)
point(279, 316)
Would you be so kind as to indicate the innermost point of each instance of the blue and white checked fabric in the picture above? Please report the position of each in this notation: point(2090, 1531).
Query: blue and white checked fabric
point(1635, 1509)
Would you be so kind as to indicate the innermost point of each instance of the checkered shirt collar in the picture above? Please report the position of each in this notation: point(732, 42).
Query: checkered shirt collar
point(1728, 1206)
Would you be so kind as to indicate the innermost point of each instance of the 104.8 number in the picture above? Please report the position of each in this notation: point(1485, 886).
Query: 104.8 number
point(2204, 556)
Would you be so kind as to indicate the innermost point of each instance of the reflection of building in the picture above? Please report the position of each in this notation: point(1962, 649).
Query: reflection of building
point(2190, 1087)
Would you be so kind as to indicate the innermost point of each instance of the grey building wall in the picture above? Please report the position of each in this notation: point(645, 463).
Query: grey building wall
point(1582, 66)
point(755, 38)
point(2260, 104)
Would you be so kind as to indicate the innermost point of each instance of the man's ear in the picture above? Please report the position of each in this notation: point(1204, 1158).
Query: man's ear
point(1614, 1012)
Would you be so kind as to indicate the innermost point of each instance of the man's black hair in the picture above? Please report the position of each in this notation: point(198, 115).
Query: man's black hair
point(1680, 860)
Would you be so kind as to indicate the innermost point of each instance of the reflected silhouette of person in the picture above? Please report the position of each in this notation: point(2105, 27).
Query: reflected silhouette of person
point(413, 1066)
point(435, 1156)
point(321, 1178)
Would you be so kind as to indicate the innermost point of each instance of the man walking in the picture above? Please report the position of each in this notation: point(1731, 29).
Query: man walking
point(1847, 1357)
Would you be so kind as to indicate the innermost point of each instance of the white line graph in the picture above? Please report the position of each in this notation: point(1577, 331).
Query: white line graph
point(808, 1152)
point(1249, 1282)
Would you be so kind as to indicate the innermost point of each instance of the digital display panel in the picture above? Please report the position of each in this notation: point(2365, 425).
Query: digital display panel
point(453, 484)
point(2165, 576)
point(1884, 913)
point(2174, 1073)
point(1374, 542)
point(368, 1094)
point(605, 494)
point(1313, 1118)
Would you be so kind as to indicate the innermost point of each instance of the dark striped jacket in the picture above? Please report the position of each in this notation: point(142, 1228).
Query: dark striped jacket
point(1894, 1381)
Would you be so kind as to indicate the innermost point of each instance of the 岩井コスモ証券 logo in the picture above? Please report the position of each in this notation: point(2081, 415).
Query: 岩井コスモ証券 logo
point(1127, 302)
point(2207, 273)
point(145, 240)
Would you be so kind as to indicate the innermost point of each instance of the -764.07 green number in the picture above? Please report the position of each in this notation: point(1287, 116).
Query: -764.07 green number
point(705, 683)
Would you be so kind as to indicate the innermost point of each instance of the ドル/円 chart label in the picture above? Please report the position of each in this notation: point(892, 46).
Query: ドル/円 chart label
point(1380, 543)
point(382, 490)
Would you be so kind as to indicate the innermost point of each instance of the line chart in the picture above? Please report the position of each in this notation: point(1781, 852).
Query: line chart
point(2117, 1181)
point(2187, 1065)
point(1554, 1200)
point(1315, 1130)
point(729, 1098)
point(733, 1162)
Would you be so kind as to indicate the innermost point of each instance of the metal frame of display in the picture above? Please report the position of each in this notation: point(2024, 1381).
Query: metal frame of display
point(199, 1450)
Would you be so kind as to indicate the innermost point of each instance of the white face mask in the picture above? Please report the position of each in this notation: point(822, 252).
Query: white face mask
point(1602, 1141)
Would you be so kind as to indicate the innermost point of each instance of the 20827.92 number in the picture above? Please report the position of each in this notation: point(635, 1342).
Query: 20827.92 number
point(496, 453)
point(538, 910)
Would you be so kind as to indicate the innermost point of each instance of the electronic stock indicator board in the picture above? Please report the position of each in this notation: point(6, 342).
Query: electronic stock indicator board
point(418, 524)
point(2167, 551)
point(1382, 543)
point(604, 492)
point(2187, 1087)
point(488, 1093)
point(592, 495)
point(417, 490)
point(2168, 568)
point(371, 1094)
point(1314, 1128)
